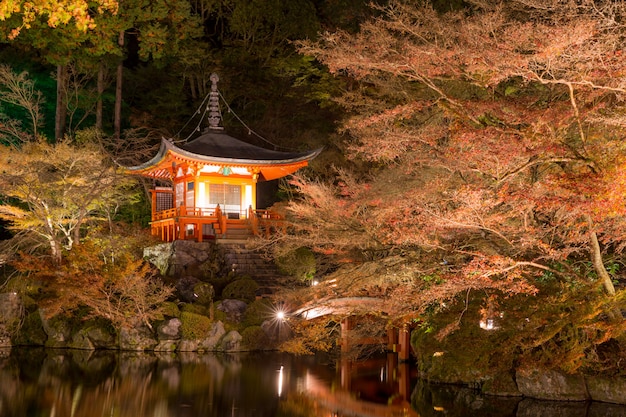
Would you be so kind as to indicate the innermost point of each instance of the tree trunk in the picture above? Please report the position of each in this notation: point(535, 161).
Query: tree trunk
point(55, 251)
point(117, 122)
point(61, 104)
point(100, 87)
point(192, 87)
point(596, 259)
point(614, 313)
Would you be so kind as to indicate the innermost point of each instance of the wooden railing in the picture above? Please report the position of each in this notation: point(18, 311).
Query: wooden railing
point(174, 221)
point(184, 212)
point(264, 221)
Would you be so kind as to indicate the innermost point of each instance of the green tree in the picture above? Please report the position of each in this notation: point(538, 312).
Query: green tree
point(160, 28)
point(22, 14)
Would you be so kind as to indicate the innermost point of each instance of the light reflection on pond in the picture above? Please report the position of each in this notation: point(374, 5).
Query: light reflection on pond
point(75, 383)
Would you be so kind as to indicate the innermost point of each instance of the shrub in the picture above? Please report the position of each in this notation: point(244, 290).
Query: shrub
point(243, 289)
point(194, 308)
point(170, 309)
point(254, 338)
point(194, 326)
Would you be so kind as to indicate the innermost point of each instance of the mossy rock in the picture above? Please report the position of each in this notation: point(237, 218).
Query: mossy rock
point(195, 326)
point(170, 309)
point(204, 293)
point(194, 308)
point(467, 355)
point(243, 289)
point(31, 333)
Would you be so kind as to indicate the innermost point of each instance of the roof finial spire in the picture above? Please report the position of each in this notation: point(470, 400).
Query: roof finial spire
point(215, 116)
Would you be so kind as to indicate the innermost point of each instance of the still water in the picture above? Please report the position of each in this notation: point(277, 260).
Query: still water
point(74, 383)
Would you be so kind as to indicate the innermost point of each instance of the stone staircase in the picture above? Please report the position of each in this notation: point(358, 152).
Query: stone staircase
point(243, 261)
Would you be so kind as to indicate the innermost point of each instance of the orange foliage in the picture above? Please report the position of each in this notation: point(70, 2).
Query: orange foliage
point(495, 146)
point(107, 281)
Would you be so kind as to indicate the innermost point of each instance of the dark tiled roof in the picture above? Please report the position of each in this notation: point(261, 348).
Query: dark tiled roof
point(215, 143)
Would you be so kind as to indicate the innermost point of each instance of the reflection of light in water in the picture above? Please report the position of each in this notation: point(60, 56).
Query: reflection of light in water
point(280, 381)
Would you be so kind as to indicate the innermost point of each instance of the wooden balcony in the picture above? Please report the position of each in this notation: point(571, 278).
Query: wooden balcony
point(190, 223)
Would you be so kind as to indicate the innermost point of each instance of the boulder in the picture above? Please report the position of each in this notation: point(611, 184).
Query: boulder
point(234, 309)
point(605, 389)
point(93, 337)
point(231, 342)
point(57, 329)
point(183, 257)
point(185, 287)
point(549, 384)
point(166, 346)
point(208, 344)
point(169, 330)
point(137, 338)
point(211, 342)
point(169, 334)
point(11, 312)
point(31, 333)
point(501, 384)
point(203, 293)
point(159, 256)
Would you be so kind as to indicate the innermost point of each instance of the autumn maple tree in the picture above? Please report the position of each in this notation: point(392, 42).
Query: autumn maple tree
point(492, 141)
point(55, 13)
point(52, 192)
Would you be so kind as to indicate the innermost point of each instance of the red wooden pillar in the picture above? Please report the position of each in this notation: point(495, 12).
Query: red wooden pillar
point(404, 344)
point(392, 339)
point(182, 229)
point(153, 207)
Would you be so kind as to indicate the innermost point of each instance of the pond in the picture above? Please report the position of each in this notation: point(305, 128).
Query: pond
point(76, 383)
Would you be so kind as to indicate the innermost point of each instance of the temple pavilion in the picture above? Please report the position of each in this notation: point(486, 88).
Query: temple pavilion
point(209, 184)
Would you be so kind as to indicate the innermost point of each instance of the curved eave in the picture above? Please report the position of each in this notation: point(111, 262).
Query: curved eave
point(160, 166)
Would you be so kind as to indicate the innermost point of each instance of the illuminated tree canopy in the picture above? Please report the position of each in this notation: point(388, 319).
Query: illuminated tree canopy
point(493, 141)
point(55, 13)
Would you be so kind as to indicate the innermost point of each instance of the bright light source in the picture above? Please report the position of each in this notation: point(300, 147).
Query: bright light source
point(314, 283)
point(280, 315)
point(488, 324)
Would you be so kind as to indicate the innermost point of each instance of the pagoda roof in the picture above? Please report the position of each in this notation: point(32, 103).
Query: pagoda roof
point(216, 147)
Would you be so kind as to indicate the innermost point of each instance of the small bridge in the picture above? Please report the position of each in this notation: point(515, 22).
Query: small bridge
point(398, 339)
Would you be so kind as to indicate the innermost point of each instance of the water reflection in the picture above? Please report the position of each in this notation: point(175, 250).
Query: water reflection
point(35, 382)
point(74, 383)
